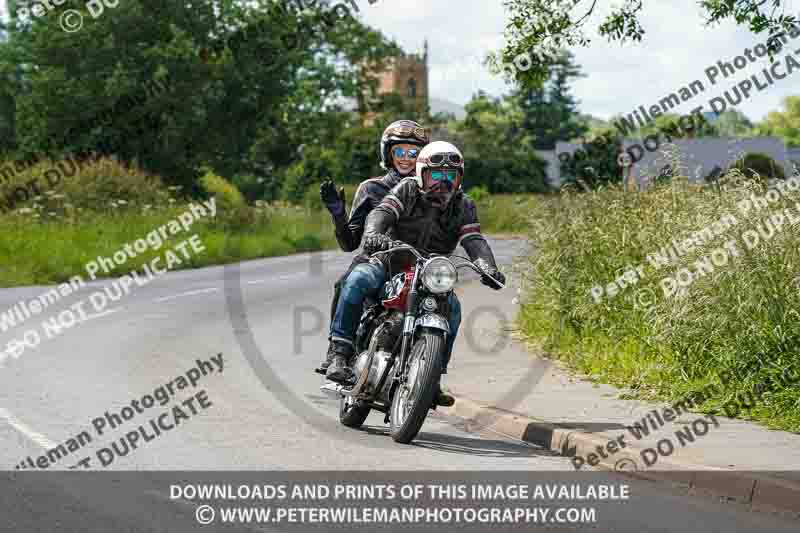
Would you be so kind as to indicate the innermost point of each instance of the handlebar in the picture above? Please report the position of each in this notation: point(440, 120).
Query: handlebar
point(400, 245)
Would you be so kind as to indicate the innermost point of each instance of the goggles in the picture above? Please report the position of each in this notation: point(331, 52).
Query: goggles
point(448, 159)
point(402, 153)
point(450, 175)
point(409, 131)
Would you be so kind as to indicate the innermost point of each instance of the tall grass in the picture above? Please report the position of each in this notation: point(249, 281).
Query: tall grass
point(724, 340)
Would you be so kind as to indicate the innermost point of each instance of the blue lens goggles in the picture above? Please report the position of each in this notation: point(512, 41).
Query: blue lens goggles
point(449, 175)
point(402, 153)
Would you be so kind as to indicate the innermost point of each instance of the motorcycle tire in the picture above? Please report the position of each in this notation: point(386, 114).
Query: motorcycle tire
point(408, 414)
point(352, 413)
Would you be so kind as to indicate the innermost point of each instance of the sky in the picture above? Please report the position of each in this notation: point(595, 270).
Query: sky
point(676, 50)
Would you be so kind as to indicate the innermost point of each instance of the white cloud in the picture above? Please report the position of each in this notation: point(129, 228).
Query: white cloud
point(676, 50)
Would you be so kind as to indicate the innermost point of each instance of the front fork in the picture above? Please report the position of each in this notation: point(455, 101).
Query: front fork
point(408, 325)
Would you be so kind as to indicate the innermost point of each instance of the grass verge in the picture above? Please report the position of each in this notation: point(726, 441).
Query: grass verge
point(726, 339)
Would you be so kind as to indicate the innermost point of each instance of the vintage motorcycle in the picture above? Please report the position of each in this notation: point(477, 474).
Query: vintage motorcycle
point(400, 343)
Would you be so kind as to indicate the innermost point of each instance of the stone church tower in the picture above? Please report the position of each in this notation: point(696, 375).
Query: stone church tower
point(406, 75)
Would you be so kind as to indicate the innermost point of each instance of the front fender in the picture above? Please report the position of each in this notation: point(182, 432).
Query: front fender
point(432, 320)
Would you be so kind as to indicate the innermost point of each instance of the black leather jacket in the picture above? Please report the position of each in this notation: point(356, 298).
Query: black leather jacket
point(368, 195)
point(405, 214)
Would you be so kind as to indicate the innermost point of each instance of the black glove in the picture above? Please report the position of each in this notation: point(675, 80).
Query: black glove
point(497, 275)
point(332, 199)
point(376, 242)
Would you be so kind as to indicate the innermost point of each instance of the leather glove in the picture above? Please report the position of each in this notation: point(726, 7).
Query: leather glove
point(496, 274)
point(376, 242)
point(332, 199)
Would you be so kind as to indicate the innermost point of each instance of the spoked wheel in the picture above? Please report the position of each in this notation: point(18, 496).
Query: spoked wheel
point(414, 398)
point(352, 413)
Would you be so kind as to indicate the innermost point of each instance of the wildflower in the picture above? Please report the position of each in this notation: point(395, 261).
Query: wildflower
point(24, 210)
point(121, 202)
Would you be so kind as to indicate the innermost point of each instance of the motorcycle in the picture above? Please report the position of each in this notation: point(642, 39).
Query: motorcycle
point(400, 344)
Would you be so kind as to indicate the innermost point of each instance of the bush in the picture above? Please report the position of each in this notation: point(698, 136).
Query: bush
point(760, 167)
point(317, 165)
point(479, 194)
point(596, 164)
point(92, 184)
point(254, 187)
point(231, 206)
point(311, 199)
point(228, 196)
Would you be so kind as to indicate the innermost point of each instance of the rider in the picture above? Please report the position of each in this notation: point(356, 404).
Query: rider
point(430, 212)
point(400, 144)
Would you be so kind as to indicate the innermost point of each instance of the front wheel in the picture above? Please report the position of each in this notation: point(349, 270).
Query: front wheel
point(414, 398)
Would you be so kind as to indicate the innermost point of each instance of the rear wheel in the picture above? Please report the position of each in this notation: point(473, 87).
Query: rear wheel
point(413, 399)
point(352, 413)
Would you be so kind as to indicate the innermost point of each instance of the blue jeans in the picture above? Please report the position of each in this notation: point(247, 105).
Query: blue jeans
point(367, 279)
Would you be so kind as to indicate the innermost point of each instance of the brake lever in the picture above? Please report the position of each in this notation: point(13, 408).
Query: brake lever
point(482, 270)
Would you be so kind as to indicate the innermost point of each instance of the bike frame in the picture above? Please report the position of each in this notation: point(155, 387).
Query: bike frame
point(410, 312)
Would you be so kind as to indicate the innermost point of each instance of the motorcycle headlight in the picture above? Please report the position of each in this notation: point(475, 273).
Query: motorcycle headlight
point(439, 275)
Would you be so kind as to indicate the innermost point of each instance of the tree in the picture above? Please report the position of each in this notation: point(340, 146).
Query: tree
point(549, 111)
point(784, 124)
point(497, 154)
point(238, 74)
point(733, 123)
point(671, 124)
point(538, 28)
point(596, 163)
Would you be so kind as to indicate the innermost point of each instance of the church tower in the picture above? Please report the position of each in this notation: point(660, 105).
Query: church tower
point(407, 76)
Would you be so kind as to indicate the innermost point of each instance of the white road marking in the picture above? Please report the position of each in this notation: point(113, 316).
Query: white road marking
point(35, 436)
point(283, 277)
point(190, 293)
point(103, 313)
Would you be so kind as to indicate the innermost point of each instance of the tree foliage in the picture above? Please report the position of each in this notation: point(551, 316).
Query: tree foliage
point(497, 150)
point(549, 111)
point(784, 124)
point(539, 28)
point(269, 86)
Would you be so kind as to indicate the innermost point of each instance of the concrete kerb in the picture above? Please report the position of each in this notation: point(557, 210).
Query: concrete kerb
point(758, 492)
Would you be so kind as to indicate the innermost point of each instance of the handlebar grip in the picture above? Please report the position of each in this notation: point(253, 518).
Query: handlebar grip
point(494, 282)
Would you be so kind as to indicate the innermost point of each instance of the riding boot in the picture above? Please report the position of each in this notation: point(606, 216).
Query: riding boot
point(323, 367)
point(339, 369)
point(442, 398)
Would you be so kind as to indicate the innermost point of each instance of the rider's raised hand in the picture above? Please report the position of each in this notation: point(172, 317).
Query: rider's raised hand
point(333, 199)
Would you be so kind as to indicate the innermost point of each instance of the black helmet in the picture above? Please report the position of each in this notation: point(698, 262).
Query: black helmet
point(401, 132)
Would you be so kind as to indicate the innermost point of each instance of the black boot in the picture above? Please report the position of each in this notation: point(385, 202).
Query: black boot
point(339, 369)
point(323, 368)
point(444, 399)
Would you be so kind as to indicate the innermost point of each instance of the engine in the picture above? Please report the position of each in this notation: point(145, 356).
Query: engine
point(382, 343)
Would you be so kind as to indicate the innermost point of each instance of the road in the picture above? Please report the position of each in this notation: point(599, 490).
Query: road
point(262, 412)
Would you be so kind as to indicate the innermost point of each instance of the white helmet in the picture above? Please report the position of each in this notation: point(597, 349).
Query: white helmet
point(439, 154)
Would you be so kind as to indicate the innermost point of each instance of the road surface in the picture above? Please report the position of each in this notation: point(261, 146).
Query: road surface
point(243, 417)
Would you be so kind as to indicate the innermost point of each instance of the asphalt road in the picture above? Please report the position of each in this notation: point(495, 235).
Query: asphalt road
point(245, 417)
